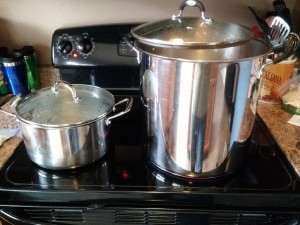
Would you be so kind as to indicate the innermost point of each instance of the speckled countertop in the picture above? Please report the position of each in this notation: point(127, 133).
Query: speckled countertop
point(286, 135)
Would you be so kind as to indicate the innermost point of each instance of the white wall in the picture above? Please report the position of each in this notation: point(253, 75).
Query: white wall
point(32, 22)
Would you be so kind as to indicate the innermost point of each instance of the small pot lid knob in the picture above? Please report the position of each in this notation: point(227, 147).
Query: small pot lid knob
point(68, 86)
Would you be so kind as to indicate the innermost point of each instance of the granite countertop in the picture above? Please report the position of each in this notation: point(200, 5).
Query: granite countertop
point(286, 135)
point(8, 148)
point(275, 118)
point(8, 127)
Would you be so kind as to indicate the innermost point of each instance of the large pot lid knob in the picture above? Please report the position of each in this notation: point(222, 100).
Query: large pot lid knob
point(187, 32)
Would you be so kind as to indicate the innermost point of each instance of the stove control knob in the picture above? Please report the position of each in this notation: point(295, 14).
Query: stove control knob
point(64, 46)
point(85, 45)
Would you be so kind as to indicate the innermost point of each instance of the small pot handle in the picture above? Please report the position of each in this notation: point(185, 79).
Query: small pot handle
point(128, 102)
point(66, 85)
point(193, 3)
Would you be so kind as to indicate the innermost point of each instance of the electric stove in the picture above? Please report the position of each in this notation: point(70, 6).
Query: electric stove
point(124, 187)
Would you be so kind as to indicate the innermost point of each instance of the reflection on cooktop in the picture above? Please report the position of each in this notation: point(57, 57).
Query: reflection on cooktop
point(126, 168)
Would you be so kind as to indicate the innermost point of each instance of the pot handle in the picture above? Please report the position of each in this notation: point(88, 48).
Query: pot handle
point(193, 3)
point(128, 102)
point(66, 85)
point(128, 43)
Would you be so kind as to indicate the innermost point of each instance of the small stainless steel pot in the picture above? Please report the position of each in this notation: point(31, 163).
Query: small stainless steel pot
point(66, 126)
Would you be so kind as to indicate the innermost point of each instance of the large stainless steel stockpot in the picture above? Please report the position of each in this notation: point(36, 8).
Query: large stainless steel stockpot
point(200, 80)
point(66, 126)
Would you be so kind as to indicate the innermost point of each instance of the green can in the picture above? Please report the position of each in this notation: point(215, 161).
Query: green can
point(31, 63)
point(3, 88)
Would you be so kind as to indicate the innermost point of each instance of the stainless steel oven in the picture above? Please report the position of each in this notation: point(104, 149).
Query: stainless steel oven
point(124, 187)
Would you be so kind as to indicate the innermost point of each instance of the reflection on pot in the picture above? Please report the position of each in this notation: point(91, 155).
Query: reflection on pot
point(199, 115)
point(66, 148)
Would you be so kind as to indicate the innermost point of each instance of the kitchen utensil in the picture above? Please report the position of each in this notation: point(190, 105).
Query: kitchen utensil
point(278, 32)
point(279, 6)
point(271, 14)
point(67, 126)
point(261, 22)
point(200, 83)
point(281, 70)
point(286, 15)
point(289, 46)
point(283, 12)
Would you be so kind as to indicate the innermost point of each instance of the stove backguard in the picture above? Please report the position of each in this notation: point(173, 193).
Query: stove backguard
point(97, 55)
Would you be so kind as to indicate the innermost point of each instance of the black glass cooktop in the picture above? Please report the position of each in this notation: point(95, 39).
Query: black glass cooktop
point(126, 168)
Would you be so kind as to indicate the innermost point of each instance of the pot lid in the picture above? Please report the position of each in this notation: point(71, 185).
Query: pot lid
point(192, 31)
point(65, 105)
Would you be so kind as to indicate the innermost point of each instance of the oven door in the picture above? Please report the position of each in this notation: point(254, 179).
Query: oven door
point(129, 215)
